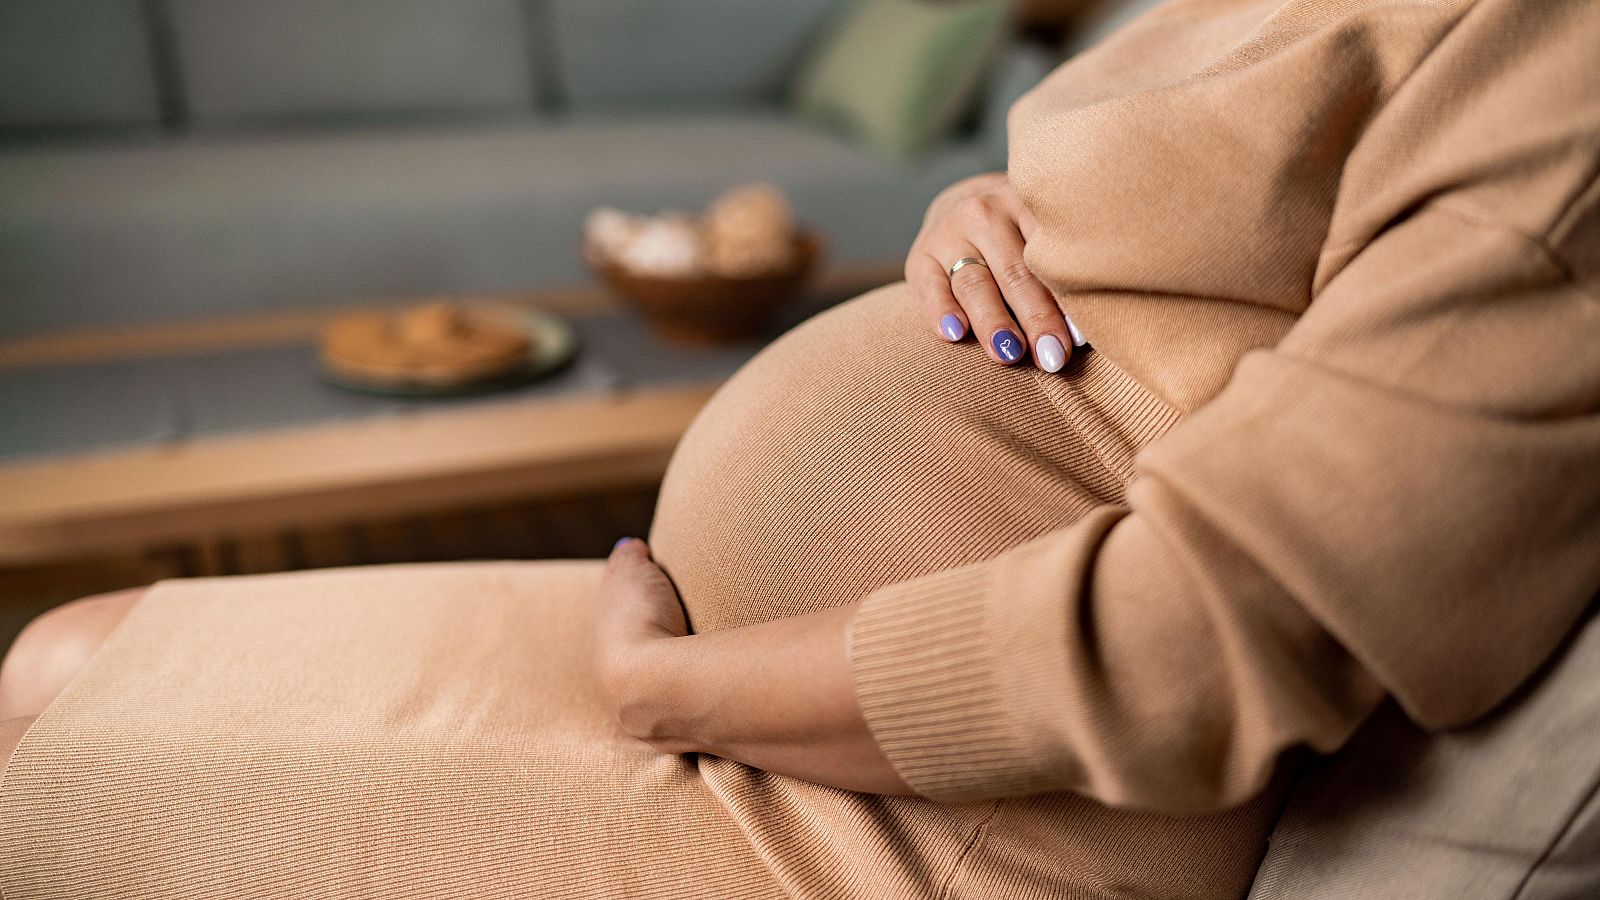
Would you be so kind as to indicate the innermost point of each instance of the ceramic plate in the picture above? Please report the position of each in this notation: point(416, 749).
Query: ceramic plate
point(551, 346)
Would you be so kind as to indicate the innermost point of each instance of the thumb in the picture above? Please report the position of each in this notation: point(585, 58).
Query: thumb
point(630, 547)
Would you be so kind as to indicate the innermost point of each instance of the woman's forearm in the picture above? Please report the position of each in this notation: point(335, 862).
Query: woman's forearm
point(778, 696)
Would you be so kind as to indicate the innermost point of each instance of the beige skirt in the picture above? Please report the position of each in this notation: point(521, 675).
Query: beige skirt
point(433, 730)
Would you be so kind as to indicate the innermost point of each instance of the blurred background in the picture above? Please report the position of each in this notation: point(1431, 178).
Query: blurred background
point(254, 256)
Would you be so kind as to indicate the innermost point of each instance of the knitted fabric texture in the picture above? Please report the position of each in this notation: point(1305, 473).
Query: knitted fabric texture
point(1340, 262)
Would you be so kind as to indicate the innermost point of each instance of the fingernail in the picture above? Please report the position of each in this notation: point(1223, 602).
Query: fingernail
point(1050, 354)
point(1077, 336)
point(620, 542)
point(950, 326)
point(1007, 345)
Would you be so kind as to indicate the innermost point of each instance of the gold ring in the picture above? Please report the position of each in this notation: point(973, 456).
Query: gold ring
point(965, 261)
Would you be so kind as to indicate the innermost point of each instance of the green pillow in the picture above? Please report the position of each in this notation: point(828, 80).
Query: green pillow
point(897, 74)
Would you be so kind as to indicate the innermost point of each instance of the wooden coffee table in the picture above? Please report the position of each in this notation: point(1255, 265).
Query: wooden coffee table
point(55, 506)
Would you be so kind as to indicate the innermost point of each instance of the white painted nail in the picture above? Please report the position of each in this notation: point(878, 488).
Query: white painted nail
point(1077, 336)
point(1050, 354)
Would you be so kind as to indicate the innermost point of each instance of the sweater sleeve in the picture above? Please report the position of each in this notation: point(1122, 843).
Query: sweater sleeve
point(1402, 498)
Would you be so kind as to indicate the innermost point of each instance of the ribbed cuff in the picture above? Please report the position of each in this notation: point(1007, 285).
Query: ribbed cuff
point(920, 654)
point(955, 671)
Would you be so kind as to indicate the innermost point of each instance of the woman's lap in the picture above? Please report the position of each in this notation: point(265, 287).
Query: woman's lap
point(431, 728)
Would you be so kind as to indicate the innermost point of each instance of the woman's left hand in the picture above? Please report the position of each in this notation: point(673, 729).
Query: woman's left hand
point(777, 695)
point(635, 613)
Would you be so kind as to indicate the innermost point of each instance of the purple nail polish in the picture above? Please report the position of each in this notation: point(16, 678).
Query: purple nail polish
point(1007, 345)
point(620, 542)
point(950, 326)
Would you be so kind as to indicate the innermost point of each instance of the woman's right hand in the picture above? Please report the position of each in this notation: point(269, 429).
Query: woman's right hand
point(1001, 302)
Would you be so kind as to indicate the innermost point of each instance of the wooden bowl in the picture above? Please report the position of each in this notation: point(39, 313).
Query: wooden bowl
point(713, 308)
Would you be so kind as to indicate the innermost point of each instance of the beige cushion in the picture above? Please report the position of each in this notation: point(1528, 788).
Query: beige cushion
point(1505, 809)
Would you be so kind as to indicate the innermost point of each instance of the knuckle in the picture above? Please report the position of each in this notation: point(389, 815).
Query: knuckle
point(980, 212)
point(1039, 322)
point(969, 279)
point(1016, 273)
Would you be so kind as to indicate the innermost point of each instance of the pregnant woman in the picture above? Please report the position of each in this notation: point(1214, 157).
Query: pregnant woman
point(919, 618)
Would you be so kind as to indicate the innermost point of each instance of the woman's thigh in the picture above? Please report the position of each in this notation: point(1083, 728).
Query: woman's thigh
point(428, 730)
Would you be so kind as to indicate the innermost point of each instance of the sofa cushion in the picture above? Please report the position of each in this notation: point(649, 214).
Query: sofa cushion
point(215, 224)
point(337, 59)
point(73, 64)
point(1507, 808)
point(646, 54)
point(897, 74)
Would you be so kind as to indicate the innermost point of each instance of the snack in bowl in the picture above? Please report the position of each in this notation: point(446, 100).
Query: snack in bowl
point(607, 231)
point(669, 244)
point(434, 345)
point(750, 230)
point(718, 276)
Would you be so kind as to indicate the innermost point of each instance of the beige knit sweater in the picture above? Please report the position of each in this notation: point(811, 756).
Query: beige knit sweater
point(1339, 439)
point(1358, 243)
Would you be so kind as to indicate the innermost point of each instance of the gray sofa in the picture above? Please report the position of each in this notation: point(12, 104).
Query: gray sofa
point(171, 159)
point(1506, 809)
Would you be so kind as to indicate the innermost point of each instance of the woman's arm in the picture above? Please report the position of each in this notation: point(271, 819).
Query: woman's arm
point(778, 696)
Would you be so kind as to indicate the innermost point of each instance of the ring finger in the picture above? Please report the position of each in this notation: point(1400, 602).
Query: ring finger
point(1029, 302)
point(975, 289)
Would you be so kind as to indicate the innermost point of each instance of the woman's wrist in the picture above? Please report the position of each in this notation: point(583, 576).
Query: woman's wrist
point(777, 695)
point(657, 699)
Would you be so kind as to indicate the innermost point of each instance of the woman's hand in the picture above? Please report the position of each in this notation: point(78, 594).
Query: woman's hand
point(779, 696)
point(999, 302)
point(635, 615)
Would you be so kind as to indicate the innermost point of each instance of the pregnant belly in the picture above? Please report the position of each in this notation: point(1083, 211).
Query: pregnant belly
point(859, 451)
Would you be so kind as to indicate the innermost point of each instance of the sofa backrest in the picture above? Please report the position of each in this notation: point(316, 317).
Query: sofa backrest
point(630, 54)
point(76, 64)
point(247, 60)
point(1508, 808)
